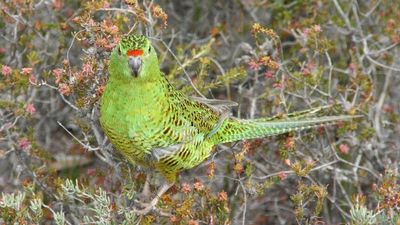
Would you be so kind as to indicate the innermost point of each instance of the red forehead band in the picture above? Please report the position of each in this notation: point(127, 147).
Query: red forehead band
point(135, 52)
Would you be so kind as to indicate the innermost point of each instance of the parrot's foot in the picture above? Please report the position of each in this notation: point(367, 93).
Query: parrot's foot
point(150, 206)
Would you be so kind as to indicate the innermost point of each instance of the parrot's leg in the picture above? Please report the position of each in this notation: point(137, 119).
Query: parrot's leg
point(155, 200)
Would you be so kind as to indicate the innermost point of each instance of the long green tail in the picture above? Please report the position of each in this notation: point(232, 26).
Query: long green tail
point(237, 129)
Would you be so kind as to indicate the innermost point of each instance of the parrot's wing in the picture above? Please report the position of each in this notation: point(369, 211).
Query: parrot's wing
point(157, 153)
point(220, 107)
point(191, 123)
point(223, 116)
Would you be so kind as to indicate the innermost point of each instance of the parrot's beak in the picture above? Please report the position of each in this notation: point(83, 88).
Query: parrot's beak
point(135, 63)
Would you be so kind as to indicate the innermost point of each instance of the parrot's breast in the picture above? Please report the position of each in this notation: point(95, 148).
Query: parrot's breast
point(131, 119)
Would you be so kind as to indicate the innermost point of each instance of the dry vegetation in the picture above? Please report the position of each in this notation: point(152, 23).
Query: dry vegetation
point(272, 57)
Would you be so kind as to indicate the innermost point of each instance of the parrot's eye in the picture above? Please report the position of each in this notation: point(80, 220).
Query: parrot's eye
point(149, 49)
point(119, 51)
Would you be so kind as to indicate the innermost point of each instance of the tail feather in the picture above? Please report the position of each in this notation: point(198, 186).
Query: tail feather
point(237, 129)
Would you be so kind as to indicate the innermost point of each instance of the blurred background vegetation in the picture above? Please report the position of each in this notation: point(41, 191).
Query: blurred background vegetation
point(272, 57)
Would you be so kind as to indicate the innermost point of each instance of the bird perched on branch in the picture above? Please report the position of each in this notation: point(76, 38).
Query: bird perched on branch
point(154, 125)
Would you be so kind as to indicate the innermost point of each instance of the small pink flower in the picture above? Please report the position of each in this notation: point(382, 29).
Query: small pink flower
point(317, 28)
point(311, 66)
point(306, 32)
point(308, 68)
point(112, 29)
point(91, 23)
point(87, 69)
point(64, 89)
point(30, 108)
point(352, 67)
point(26, 70)
point(282, 175)
point(23, 143)
point(109, 27)
point(344, 148)
point(91, 171)
point(287, 162)
point(185, 188)
point(116, 39)
point(277, 85)
point(58, 73)
point(254, 65)
point(110, 46)
point(193, 222)
point(387, 108)
point(57, 4)
point(289, 143)
point(269, 74)
point(306, 71)
point(198, 186)
point(6, 70)
point(32, 80)
point(106, 5)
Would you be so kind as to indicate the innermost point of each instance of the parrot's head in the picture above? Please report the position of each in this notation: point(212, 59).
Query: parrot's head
point(133, 57)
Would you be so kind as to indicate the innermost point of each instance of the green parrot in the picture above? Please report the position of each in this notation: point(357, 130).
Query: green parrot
point(155, 125)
